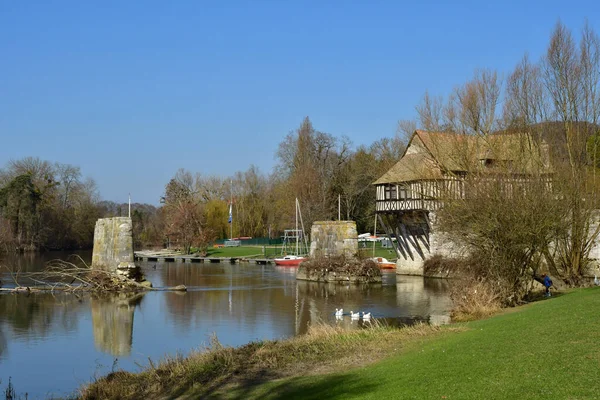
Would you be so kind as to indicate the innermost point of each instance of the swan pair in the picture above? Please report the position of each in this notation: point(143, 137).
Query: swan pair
point(353, 315)
point(356, 315)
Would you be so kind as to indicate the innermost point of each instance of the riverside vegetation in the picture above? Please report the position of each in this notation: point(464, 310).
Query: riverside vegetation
point(339, 269)
point(546, 348)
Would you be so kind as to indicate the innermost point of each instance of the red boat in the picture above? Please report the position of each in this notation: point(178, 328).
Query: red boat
point(383, 263)
point(289, 261)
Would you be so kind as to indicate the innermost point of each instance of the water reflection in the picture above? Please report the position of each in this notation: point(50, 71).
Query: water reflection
point(38, 315)
point(3, 344)
point(237, 302)
point(424, 299)
point(248, 296)
point(34, 262)
point(112, 321)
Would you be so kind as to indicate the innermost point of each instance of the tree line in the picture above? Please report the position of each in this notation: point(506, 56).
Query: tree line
point(50, 206)
point(326, 173)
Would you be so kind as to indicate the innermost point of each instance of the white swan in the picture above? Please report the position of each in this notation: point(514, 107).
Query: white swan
point(366, 315)
point(339, 313)
point(354, 315)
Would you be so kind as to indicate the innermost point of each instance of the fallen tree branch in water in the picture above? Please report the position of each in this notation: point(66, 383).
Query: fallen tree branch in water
point(65, 276)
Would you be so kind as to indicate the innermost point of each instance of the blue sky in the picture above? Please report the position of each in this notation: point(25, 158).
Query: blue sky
point(132, 91)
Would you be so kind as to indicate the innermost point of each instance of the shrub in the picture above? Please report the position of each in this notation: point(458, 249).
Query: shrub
point(341, 265)
point(439, 265)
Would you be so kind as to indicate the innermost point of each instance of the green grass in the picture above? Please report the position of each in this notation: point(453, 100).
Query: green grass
point(548, 349)
point(390, 254)
point(273, 251)
point(241, 251)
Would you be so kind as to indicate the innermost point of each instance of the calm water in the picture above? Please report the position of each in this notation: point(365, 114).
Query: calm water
point(51, 344)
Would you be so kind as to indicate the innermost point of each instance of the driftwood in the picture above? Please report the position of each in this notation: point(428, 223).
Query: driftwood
point(54, 288)
point(60, 275)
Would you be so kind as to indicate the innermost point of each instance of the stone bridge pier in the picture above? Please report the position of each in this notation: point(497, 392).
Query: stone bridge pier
point(113, 248)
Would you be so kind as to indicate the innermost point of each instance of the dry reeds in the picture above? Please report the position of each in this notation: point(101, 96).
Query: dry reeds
point(474, 299)
point(214, 366)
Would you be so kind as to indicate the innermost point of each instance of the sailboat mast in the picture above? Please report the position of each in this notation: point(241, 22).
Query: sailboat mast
point(375, 234)
point(296, 226)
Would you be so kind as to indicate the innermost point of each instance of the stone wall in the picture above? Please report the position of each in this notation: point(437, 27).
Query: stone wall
point(333, 238)
point(113, 244)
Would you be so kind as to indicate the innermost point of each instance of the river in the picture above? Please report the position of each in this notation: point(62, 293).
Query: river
point(52, 344)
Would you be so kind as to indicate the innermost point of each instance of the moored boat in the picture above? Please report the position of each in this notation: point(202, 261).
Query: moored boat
point(289, 261)
point(383, 263)
point(297, 236)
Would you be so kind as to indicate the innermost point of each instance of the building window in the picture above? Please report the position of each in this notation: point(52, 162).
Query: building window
point(390, 192)
point(404, 192)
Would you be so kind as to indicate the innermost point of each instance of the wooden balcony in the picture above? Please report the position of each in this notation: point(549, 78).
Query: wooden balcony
point(407, 205)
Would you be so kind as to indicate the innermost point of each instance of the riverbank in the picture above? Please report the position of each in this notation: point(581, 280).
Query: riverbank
point(273, 251)
point(544, 349)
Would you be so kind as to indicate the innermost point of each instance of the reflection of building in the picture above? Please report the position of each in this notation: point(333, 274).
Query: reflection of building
point(424, 297)
point(112, 320)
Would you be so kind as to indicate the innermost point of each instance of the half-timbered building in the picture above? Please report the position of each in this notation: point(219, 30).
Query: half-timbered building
point(433, 169)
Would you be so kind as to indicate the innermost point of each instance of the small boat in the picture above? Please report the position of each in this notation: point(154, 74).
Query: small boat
point(289, 261)
point(383, 263)
point(297, 235)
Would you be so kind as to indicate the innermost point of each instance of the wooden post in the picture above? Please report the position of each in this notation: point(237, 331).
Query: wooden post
point(399, 251)
point(411, 241)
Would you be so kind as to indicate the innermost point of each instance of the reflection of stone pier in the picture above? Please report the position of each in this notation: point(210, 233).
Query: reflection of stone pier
point(112, 321)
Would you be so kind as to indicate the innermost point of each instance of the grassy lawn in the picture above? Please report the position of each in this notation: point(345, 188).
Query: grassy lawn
point(548, 349)
point(241, 251)
point(275, 251)
point(390, 254)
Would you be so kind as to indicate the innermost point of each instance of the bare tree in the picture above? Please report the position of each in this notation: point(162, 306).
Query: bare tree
point(589, 55)
point(309, 161)
point(566, 84)
point(68, 176)
point(431, 113)
point(472, 108)
point(525, 101)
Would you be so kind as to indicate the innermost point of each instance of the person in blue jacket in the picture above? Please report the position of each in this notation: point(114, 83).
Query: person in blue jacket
point(547, 283)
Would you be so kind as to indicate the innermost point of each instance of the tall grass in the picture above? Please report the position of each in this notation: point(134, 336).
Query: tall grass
point(214, 366)
point(473, 299)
